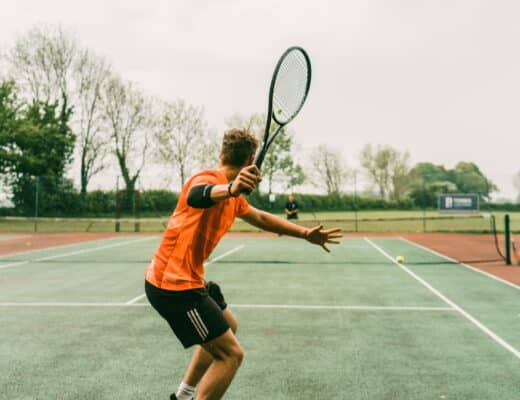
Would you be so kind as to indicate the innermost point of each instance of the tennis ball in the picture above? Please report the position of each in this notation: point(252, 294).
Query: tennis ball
point(399, 259)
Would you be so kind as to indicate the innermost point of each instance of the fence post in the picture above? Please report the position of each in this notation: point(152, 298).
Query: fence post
point(137, 206)
point(36, 201)
point(507, 231)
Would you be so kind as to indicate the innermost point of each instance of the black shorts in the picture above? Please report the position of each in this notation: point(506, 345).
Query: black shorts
point(195, 316)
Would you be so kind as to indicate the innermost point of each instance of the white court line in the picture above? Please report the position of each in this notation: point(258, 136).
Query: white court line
point(246, 306)
point(227, 253)
point(496, 278)
point(61, 246)
point(82, 251)
point(320, 307)
point(464, 313)
point(136, 299)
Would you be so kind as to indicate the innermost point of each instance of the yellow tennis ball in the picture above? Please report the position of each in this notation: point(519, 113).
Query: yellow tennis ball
point(399, 259)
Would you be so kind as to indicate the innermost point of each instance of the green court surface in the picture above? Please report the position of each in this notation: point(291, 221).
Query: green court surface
point(351, 324)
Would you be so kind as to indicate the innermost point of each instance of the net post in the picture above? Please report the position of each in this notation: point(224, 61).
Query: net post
point(507, 232)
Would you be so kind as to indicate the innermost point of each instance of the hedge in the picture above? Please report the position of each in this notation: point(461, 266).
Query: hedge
point(154, 203)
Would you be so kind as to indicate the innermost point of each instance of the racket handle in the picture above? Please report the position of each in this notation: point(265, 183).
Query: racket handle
point(258, 162)
point(259, 159)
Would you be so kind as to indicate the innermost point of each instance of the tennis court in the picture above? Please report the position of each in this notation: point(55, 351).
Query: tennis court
point(352, 324)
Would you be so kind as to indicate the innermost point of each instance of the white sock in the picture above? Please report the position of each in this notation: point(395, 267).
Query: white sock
point(185, 392)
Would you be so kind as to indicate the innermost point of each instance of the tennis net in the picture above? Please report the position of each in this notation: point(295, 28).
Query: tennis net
point(467, 239)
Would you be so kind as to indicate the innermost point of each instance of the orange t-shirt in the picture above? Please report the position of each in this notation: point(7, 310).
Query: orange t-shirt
point(191, 236)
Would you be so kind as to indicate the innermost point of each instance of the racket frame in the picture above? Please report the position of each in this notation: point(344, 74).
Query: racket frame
point(268, 139)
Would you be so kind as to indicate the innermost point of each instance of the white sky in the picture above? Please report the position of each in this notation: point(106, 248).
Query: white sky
point(439, 78)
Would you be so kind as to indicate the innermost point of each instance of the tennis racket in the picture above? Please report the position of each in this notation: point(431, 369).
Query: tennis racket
point(288, 91)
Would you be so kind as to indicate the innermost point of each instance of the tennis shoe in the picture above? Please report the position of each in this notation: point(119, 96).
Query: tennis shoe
point(174, 397)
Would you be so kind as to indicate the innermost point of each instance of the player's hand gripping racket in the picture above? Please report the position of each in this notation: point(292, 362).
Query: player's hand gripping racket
point(289, 87)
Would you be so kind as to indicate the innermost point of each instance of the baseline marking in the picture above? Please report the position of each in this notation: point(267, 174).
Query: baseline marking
point(246, 306)
point(227, 253)
point(436, 253)
point(461, 311)
point(82, 251)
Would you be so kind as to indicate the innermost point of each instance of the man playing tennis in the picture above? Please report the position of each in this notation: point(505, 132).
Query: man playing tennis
point(175, 286)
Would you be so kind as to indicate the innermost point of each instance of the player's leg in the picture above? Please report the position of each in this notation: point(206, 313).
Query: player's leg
point(227, 356)
point(201, 359)
point(194, 317)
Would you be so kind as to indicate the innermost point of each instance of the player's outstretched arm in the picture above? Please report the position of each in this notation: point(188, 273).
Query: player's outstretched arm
point(272, 223)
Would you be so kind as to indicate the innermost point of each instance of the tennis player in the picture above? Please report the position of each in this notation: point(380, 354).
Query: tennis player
point(195, 309)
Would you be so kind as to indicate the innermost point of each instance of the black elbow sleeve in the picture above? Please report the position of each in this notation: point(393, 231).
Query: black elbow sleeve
point(200, 196)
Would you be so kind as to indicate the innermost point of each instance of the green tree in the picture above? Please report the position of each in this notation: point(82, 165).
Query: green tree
point(469, 179)
point(35, 141)
point(426, 181)
point(9, 109)
point(429, 172)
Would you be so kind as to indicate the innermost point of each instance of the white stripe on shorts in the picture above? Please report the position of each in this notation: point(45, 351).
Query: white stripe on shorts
point(202, 324)
point(196, 324)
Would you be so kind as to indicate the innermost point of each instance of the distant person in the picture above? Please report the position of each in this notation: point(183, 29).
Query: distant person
point(291, 208)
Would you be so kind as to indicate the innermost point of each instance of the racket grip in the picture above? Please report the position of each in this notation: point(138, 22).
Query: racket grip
point(259, 159)
point(258, 162)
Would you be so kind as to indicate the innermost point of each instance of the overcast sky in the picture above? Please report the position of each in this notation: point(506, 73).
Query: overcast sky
point(439, 78)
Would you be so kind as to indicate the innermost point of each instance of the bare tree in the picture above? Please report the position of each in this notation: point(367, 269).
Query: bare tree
point(91, 73)
point(182, 138)
point(329, 168)
point(388, 170)
point(211, 145)
point(400, 168)
point(42, 63)
point(254, 123)
point(128, 114)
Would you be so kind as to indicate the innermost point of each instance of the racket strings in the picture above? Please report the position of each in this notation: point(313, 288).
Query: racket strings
point(291, 87)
